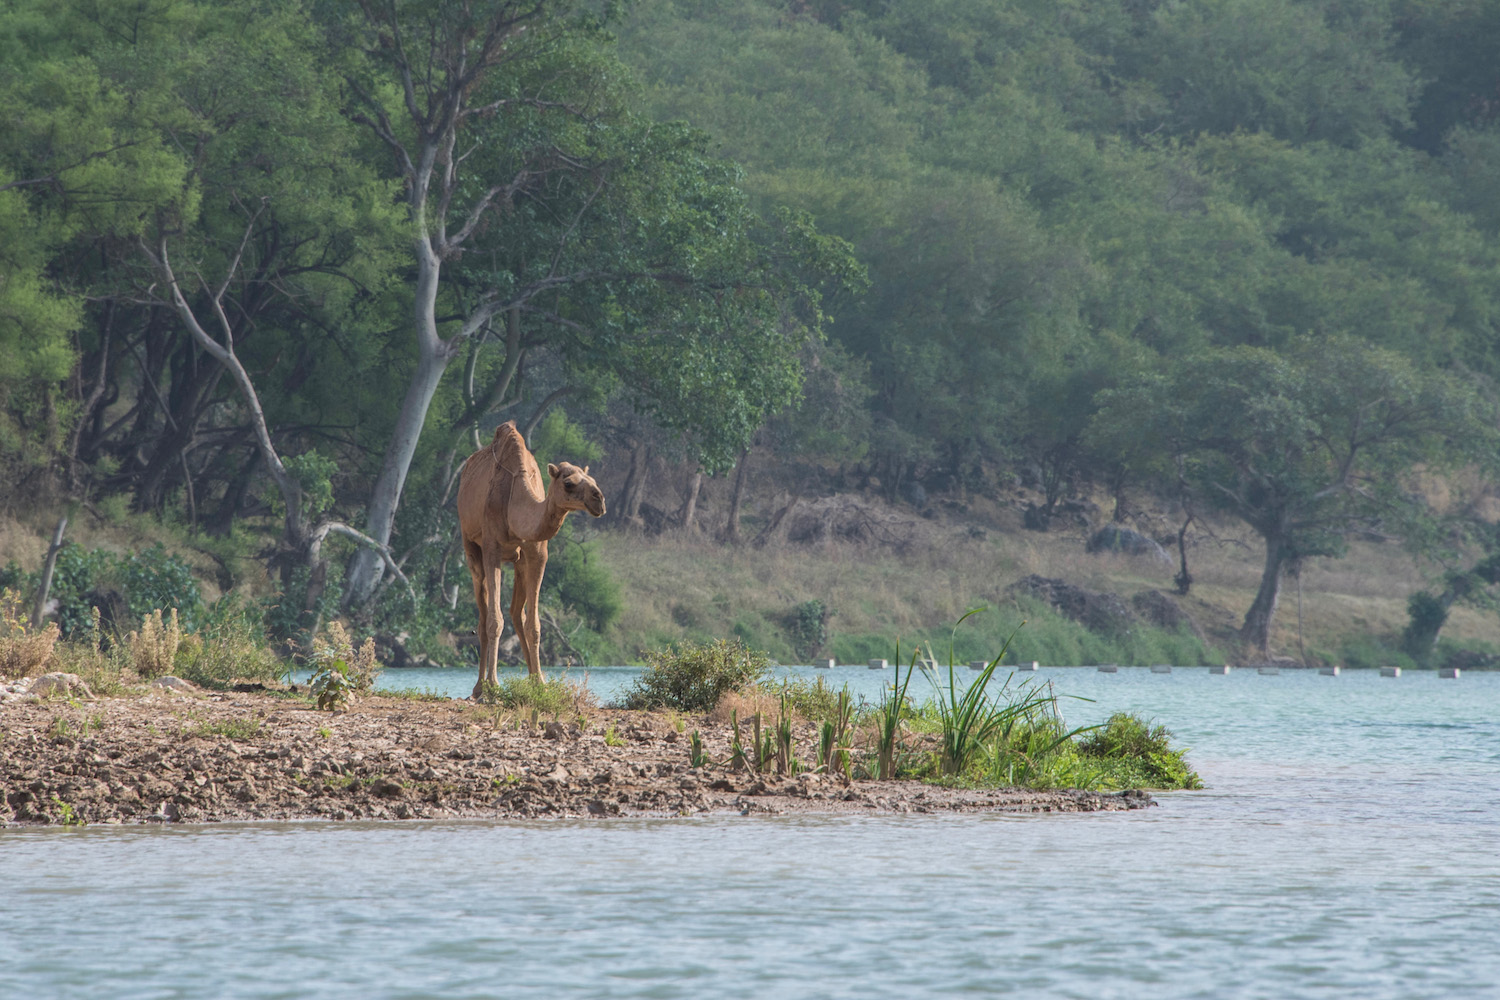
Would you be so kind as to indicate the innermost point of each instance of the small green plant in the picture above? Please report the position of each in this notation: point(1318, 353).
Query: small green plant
point(331, 686)
point(888, 720)
point(66, 814)
point(692, 677)
point(325, 732)
point(786, 760)
point(835, 738)
point(612, 737)
point(60, 729)
point(696, 756)
point(738, 760)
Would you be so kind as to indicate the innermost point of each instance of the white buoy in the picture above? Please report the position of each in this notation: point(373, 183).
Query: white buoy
point(978, 664)
point(1329, 671)
point(1026, 666)
point(1390, 671)
point(824, 664)
point(1269, 671)
point(1108, 668)
point(877, 664)
point(1449, 673)
point(1220, 670)
point(1161, 668)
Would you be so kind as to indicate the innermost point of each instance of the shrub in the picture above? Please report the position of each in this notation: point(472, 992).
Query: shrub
point(1142, 756)
point(229, 646)
point(691, 677)
point(23, 649)
point(361, 667)
point(153, 649)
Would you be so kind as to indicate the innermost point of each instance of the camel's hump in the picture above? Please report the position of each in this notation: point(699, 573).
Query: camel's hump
point(512, 455)
point(509, 446)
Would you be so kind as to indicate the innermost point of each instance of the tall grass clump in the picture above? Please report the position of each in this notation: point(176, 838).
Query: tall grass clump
point(230, 646)
point(692, 677)
point(554, 697)
point(972, 721)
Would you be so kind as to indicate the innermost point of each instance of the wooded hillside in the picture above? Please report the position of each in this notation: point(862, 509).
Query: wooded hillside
point(272, 268)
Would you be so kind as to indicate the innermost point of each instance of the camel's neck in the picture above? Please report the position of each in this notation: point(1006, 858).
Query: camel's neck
point(533, 520)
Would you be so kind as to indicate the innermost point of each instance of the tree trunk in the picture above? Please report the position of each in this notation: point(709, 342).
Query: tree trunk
point(366, 567)
point(736, 495)
point(635, 484)
point(39, 609)
point(690, 504)
point(1257, 628)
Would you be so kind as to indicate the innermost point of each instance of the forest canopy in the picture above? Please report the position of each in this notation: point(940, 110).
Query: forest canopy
point(290, 259)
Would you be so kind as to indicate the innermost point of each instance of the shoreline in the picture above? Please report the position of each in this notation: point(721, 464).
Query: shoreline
point(213, 757)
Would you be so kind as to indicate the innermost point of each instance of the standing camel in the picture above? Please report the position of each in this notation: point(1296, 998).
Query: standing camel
point(506, 517)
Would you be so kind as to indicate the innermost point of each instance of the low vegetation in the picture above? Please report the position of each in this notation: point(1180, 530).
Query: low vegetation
point(693, 676)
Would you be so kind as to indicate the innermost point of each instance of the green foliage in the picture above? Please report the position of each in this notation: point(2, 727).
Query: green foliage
point(807, 627)
point(332, 685)
point(150, 580)
point(1142, 755)
point(580, 581)
point(1427, 614)
point(692, 677)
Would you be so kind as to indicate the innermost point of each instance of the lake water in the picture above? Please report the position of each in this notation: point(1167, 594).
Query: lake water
point(1348, 845)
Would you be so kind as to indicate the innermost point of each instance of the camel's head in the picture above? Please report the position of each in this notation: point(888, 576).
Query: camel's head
point(575, 489)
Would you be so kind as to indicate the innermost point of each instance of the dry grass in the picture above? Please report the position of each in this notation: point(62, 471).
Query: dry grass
point(676, 584)
point(23, 649)
point(153, 649)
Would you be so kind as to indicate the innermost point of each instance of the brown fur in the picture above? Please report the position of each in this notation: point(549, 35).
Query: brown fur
point(506, 516)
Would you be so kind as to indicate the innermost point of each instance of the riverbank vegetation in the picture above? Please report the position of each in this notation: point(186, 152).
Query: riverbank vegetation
point(865, 312)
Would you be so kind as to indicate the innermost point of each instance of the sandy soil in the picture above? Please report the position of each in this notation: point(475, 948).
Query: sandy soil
point(205, 757)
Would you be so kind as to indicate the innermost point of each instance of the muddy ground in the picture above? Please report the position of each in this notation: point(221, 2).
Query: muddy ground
point(209, 757)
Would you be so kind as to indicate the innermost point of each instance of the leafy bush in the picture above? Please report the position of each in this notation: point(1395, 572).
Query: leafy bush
point(691, 677)
point(156, 579)
point(807, 627)
point(1141, 756)
point(582, 582)
point(147, 581)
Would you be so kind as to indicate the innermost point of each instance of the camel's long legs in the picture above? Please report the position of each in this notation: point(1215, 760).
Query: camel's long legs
point(530, 563)
point(492, 615)
point(474, 557)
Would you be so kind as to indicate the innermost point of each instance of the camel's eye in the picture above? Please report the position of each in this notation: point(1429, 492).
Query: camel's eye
point(571, 484)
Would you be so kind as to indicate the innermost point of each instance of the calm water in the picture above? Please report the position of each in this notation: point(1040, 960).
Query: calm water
point(1348, 846)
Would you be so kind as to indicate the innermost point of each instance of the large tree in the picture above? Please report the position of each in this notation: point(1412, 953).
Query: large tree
point(1304, 447)
point(531, 189)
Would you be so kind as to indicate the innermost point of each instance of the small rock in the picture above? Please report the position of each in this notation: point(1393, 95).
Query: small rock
point(387, 789)
point(66, 685)
point(170, 683)
point(555, 731)
point(672, 736)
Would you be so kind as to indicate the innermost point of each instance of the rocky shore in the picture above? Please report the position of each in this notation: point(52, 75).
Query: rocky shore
point(176, 755)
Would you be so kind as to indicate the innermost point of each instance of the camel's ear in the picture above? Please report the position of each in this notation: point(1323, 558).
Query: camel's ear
point(552, 470)
point(585, 470)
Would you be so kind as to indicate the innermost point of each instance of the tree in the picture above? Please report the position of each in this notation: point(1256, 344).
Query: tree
point(1304, 447)
point(529, 187)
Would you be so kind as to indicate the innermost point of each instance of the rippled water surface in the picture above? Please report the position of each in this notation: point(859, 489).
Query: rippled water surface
point(1348, 845)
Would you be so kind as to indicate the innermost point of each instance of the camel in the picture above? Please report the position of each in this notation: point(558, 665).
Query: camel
point(505, 517)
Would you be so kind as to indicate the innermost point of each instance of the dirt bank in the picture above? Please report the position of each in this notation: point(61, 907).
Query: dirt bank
point(216, 757)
